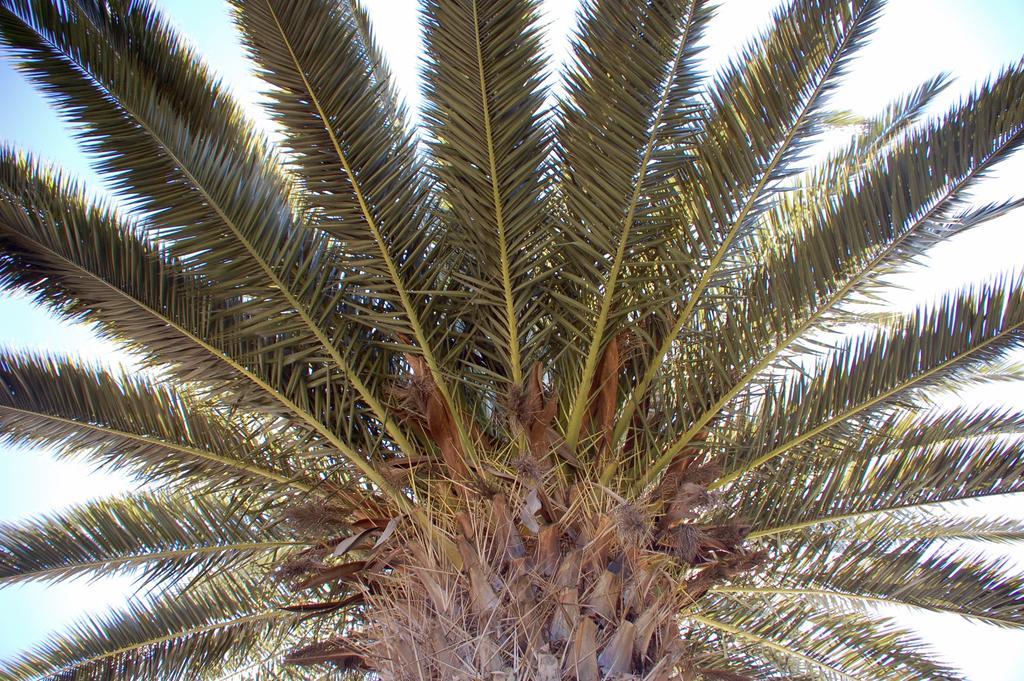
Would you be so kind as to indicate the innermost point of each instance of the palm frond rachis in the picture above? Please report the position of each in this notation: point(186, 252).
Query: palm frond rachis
point(518, 400)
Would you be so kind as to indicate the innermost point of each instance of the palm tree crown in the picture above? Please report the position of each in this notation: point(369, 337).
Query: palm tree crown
point(576, 386)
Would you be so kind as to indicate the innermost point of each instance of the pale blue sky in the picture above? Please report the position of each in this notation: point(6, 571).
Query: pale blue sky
point(915, 40)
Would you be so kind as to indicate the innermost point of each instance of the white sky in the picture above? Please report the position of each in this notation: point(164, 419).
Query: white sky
point(916, 39)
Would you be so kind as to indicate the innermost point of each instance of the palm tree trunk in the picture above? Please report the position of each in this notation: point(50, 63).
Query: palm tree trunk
point(552, 586)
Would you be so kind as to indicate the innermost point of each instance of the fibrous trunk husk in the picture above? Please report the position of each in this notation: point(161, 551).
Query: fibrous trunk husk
point(599, 592)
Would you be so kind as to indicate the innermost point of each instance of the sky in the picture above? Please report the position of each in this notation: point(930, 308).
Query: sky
point(916, 39)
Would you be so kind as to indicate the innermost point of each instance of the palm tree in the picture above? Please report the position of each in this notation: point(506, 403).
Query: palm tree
point(575, 386)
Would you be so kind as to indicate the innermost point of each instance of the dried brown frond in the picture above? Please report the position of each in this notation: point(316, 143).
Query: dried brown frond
point(685, 542)
point(412, 397)
point(703, 475)
point(686, 504)
point(316, 519)
point(295, 569)
point(731, 533)
point(337, 652)
point(522, 407)
point(633, 525)
point(746, 561)
point(529, 471)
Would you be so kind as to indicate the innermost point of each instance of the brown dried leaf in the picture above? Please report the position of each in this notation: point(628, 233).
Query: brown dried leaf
point(581, 663)
point(336, 651)
point(386, 534)
point(547, 667)
point(568, 573)
point(528, 513)
point(607, 390)
point(348, 543)
point(425, 569)
point(617, 656)
point(547, 553)
point(337, 573)
point(440, 421)
point(324, 607)
point(566, 616)
point(488, 656)
point(536, 414)
point(507, 544)
point(689, 497)
point(317, 518)
point(646, 624)
point(599, 418)
point(604, 596)
point(685, 542)
point(599, 543)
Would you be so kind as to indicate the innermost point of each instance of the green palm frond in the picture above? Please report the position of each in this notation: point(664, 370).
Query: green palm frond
point(176, 636)
point(885, 569)
point(161, 537)
point(88, 263)
point(853, 483)
point(807, 641)
point(874, 136)
point(340, 120)
point(959, 333)
point(85, 262)
point(620, 141)
point(132, 423)
point(264, 664)
point(143, 140)
point(823, 260)
point(342, 127)
point(940, 526)
point(919, 427)
point(803, 54)
point(483, 81)
point(925, 204)
point(748, 145)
